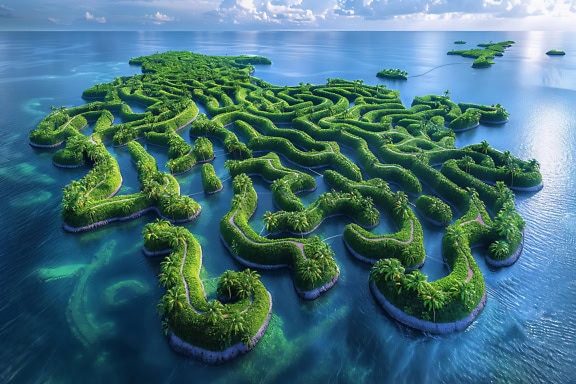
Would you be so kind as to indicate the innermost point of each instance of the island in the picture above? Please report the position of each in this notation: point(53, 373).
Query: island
point(291, 137)
point(396, 74)
point(484, 57)
point(555, 52)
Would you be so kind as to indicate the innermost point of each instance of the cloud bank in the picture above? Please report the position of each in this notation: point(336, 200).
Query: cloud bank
point(297, 14)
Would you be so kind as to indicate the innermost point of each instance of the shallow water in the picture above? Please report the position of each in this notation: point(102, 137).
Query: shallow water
point(526, 333)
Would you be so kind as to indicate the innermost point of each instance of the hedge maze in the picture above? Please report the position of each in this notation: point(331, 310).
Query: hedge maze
point(288, 136)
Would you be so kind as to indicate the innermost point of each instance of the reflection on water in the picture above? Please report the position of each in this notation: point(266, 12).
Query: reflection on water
point(82, 307)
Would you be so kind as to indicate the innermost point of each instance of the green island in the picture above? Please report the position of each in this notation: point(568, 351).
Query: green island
point(483, 57)
point(292, 137)
point(459, 42)
point(393, 73)
point(555, 52)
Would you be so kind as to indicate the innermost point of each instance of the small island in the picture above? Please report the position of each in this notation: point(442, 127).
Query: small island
point(291, 138)
point(459, 42)
point(396, 74)
point(555, 52)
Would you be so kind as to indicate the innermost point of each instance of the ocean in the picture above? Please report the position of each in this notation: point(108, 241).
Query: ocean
point(82, 307)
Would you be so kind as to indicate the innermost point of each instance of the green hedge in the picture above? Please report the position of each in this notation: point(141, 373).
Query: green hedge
point(208, 325)
point(210, 181)
point(434, 209)
point(245, 243)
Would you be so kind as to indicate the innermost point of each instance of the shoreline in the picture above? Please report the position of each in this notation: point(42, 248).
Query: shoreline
point(534, 188)
point(101, 223)
point(218, 357)
point(468, 128)
point(508, 261)
point(316, 292)
point(423, 325)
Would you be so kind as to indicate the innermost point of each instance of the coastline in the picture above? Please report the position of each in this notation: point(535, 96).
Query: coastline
point(134, 215)
point(534, 188)
point(508, 261)
point(466, 128)
point(316, 292)
point(219, 357)
point(423, 325)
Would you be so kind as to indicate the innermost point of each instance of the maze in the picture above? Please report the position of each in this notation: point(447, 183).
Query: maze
point(287, 136)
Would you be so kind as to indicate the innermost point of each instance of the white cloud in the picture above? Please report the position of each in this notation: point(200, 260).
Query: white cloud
point(54, 20)
point(389, 9)
point(159, 18)
point(90, 17)
point(275, 12)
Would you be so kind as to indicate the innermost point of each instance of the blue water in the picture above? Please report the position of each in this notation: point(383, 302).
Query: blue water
point(66, 331)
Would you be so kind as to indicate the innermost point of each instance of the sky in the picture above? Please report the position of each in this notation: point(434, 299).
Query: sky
point(288, 15)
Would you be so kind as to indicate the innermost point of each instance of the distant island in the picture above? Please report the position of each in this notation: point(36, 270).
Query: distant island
point(555, 52)
point(484, 57)
point(459, 42)
point(291, 138)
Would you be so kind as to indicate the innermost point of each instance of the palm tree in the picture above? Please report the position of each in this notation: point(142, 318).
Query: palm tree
point(178, 236)
point(455, 235)
point(504, 193)
point(169, 261)
point(464, 290)
point(433, 299)
point(534, 165)
point(236, 323)
point(378, 270)
point(172, 301)
point(484, 147)
point(373, 216)
point(408, 255)
point(446, 93)
point(270, 220)
point(242, 183)
point(400, 207)
point(298, 221)
point(214, 313)
point(251, 278)
point(227, 284)
point(168, 277)
point(499, 249)
point(513, 170)
point(243, 288)
point(415, 280)
point(389, 269)
point(506, 158)
point(309, 270)
point(467, 161)
point(505, 227)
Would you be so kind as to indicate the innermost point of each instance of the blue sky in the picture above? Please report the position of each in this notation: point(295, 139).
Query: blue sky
point(287, 14)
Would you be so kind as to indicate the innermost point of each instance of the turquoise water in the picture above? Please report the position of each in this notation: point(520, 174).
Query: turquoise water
point(56, 324)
